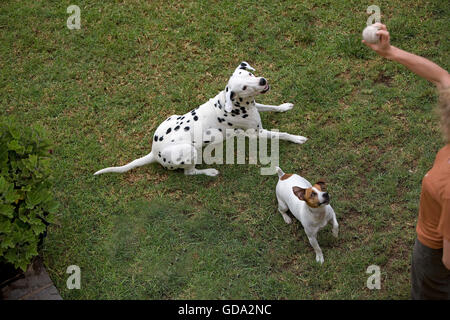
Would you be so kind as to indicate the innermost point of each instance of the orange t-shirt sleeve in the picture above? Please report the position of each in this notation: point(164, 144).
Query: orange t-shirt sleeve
point(444, 221)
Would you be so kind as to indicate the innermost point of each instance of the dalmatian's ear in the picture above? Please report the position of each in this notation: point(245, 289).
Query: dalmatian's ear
point(228, 102)
point(244, 65)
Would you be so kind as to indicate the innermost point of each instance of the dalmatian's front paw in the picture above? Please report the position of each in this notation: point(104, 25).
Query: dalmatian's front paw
point(299, 139)
point(285, 107)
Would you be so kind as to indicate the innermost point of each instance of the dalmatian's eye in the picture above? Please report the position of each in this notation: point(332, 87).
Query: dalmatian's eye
point(244, 87)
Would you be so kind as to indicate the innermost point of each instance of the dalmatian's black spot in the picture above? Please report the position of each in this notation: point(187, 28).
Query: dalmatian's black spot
point(243, 108)
point(240, 99)
point(179, 118)
point(226, 89)
point(188, 121)
point(182, 162)
point(237, 104)
point(207, 141)
point(220, 120)
point(168, 130)
point(176, 128)
point(232, 94)
point(164, 159)
point(195, 118)
point(247, 102)
point(244, 87)
point(156, 137)
point(173, 140)
point(161, 138)
point(220, 129)
point(168, 118)
point(244, 115)
point(182, 118)
point(208, 132)
point(186, 128)
point(243, 64)
point(159, 154)
point(230, 124)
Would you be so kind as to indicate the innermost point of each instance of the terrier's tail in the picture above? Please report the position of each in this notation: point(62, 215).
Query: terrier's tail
point(280, 172)
point(136, 163)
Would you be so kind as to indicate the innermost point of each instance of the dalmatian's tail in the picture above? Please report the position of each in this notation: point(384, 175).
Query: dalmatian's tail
point(280, 172)
point(133, 164)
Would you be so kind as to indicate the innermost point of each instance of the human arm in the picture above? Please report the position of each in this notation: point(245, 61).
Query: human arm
point(446, 254)
point(444, 230)
point(417, 64)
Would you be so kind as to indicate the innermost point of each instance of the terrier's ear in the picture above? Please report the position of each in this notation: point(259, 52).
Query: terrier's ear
point(322, 184)
point(299, 192)
point(228, 102)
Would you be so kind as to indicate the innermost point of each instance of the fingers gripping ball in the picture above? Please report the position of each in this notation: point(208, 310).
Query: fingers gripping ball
point(370, 34)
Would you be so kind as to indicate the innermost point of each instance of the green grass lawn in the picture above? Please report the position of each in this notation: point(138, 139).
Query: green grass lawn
point(154, 234)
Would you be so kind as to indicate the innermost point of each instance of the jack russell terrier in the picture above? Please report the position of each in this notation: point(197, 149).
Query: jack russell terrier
point(310, 204)
point(174, 143)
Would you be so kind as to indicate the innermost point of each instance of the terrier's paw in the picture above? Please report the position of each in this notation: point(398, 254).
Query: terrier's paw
point(287, 219)
point(285, 107)
point(299, 139)
point(319, 258)
point(335, 231)
point(211, 172)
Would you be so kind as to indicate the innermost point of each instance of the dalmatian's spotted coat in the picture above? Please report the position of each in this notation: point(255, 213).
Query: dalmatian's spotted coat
point(179, 138)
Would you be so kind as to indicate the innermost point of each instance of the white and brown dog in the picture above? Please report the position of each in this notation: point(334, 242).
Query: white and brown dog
point(310, 204)
point(175, 143)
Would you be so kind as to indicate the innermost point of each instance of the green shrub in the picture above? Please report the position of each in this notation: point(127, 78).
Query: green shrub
point(26, 202)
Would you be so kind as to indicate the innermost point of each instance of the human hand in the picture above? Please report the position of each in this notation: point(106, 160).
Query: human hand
point(383, 46)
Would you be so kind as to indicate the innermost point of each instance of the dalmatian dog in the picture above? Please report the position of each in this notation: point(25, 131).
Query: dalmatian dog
point(178, 140)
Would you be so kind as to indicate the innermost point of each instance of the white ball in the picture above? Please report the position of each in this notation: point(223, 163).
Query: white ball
point(369, 34)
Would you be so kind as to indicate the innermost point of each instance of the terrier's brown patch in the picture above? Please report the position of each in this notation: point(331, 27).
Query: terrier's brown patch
point(308, 195)
point(286, 176)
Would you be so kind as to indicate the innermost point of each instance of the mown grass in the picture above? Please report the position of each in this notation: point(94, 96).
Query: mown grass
point(152, 234)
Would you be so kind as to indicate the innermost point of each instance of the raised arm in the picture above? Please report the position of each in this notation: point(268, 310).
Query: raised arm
point(417, 64)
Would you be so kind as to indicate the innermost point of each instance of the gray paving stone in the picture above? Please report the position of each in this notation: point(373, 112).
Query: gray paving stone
point(36, 285)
